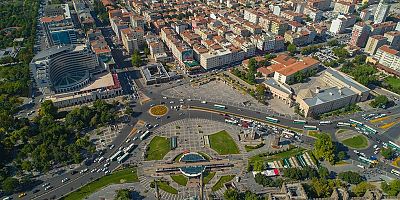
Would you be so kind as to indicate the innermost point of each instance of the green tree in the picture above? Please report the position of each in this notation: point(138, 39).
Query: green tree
point(341, 52)
point(261, 90)
point(388, 153)
point(136, 59)
point(362, 187)
point(292, 48)
point(250, 76)
point(323, 172)
point(392, 188)
point(333, 43)
point(146, 51)
point(10, 185)
point(270, 56)
point(231, 194)
point(252, 66)
point(123, 194)
point(259, 166)
point(341, 155)
point(324, 148)
point(48, 108)
point(380, 101)
point(351, 177)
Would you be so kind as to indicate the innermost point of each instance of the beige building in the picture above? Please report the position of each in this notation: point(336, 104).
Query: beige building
point(374, 42)
point(344, 7)
point(132, 39)
point(279, 90)
point(340, 91)
point(388, 57)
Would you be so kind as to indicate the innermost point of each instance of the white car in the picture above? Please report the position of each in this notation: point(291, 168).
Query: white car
point(164, 97)
point(106, 172)
point(203, 102)
point(46, 184)
point(171, 102)
point(93, 170)
point(128, 140)
point(112, 146)
point(64, 180)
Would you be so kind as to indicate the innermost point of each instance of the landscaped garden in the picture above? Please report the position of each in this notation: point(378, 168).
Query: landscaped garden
point(127, 175)
point(158, 110)
point(223, 143)
point(207, 176)
point(158, 148)
point(356, 142)
point(278, 156)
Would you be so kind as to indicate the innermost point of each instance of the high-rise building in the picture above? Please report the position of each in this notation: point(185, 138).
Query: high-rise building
point(381, 12)
point(359, 35)
point(374, 42)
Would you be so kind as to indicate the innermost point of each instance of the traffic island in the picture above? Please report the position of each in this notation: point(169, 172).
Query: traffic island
point(352, 139)
point(158, 110)
point(157, 149)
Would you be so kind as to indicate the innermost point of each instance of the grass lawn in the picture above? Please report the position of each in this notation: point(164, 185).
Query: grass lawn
point(206, 156)
point(356, 142)
point(251, 148)
point(393, 82)
point(127, 175)
point(158, 148)
point(180, 179)
point(314, 133)
point(207, 177)
point(341, 130)
point(224, 179)
point(176, 159)
point(166, 187)
point(278, 156)
point(223, 143)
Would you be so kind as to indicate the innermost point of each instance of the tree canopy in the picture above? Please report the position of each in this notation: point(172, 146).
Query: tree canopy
point(324, 148)
point(351, 177)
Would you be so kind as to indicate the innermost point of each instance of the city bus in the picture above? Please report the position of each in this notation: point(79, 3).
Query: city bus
point(313, 128)
point(144, 135)
point(368, 161)
point(343, 124)
point(273, 120)
point(123, 158)
point(113, 157)
point(355, 123)
point(219, 107)
point(321, 123)
point(395, 172)
point(299, 122)
point(394, 146)
point(370, 130)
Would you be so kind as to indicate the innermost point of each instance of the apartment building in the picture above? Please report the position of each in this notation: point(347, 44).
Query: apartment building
point(374, 42)
point(221, 57)
point(344, 7)
point(137, 21)
point(342, 22)
point(292, 16)
point(314, 14)
point(382, 28)
point(388, 57)
point(132, 39)
point(393, 38)
point(360, 34)
point(251, 16)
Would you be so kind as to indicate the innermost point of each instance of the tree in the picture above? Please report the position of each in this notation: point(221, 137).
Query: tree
point(250, 77)
point(231, 194)
point(362, 187)
point(342, 155)
point(388, 153)
point(123, 194)
point(324, 187)
point(258, 166)
point(341, 52)
point(380, 101)
point(323, 172)
point(10, 185)
point(392, 188)
point(351, 177)
point(48, 108)
point(333, 43)
point(324, 148)
point(146, 51)
point(261, 90)
point(136, 59)
point(252, 66)
point(292, 48)
point(269, 56)
point(128, 111)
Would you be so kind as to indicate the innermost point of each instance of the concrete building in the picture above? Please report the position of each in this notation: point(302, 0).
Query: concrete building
point(360, 34)
point(154, 73)
point(320, 4)
point(393, 38)
point(137, 21)
point(221, 57)
point(279, 90)
point(366, 14)
point(342, 22)
point(344, 7)
point(382, 28)
point(381, 12)
point(289, 191)
point(132, 39)
point(388, 57)
point(341, 91)
point(374, 42)
point(314, 14)
point(64, 69)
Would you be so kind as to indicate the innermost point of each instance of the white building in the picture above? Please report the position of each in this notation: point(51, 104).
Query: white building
point(381, 12)
point(341, 23)
point(388, 57)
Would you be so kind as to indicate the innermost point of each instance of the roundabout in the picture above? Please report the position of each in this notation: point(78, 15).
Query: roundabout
point(158, 110)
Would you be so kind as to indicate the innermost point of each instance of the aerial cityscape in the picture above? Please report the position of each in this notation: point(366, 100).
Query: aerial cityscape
point(200, 99)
